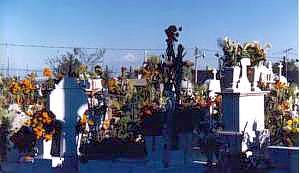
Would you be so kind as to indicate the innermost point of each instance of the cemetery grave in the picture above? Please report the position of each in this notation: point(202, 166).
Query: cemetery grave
point(153, 118)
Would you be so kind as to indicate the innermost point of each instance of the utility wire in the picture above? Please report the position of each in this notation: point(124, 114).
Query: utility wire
point(114, 49)
point(109, 48)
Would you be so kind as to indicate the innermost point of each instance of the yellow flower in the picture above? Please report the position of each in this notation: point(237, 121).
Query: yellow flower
point(47, 72)
point(91, 122)
point(27, 123)
point(285, 105)
point(14, 87)
point(290, 123)
point(106, 124)
point(280, 85)
point(83, 119)
point(38, 131)
point(27, 84)
point(45, 115)
point(48, 137)
point(29, 113)
point(295, 121)
point(295, 130)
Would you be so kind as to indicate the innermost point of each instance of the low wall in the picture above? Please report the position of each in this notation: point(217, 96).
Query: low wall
point(284, 159)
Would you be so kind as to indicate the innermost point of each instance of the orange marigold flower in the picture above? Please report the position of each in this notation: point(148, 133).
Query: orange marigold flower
point(45, 115)
point(106, 124)
point(29, 113)
point(48, 137)
point(38, 132)
point(83, 119)
point(27, 123)
point(218, 100)
point(47, 120)
point(285, 105)
point(279, 85)
point(91, 122)
point(14, 87)
point(47, 72)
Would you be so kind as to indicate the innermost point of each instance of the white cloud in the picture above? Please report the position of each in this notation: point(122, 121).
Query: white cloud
point(129, 57)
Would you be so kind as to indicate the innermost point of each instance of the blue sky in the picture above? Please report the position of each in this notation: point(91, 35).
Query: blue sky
point(140, 24)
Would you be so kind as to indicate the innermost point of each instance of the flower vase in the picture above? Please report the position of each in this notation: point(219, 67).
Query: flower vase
point(231, 77)
point(244, 85)
point(255, 78)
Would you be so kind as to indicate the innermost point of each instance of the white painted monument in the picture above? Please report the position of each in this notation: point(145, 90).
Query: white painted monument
point(280, 77)
point(243, 108)
point(65, 102)
point(214, 85)
point(187, 87)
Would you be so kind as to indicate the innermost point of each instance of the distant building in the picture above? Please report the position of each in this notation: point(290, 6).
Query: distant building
point(203, 75)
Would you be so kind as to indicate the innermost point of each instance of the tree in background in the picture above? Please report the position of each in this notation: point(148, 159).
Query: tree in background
point(292, 70)
point(75, 62)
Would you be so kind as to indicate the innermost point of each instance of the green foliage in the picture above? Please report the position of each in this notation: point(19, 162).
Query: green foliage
point(122, 127)
point(4, 133)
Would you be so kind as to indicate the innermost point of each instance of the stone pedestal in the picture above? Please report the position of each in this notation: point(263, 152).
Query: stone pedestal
point(155, 150)
point(241, 109)
point(185, 144)
point(284, 159)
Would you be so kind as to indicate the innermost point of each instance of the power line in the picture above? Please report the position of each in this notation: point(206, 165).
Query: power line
point(95, 48)
point(116, 49)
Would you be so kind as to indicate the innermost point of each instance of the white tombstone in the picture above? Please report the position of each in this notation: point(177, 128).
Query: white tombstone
point(270, 75)
point(243, 108)
point(94, 85)
point(257, 73)
point(65, 102)
point(214, 85)
point(281, 78)
point(187, 87)
point(244, 84)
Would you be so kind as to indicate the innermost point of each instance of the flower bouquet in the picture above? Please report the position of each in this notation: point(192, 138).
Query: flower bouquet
point(283, 125)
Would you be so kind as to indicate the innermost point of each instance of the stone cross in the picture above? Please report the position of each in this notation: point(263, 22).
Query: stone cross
point(215, 74)
point(214, 85)
point(270, 71)
point(66, 101)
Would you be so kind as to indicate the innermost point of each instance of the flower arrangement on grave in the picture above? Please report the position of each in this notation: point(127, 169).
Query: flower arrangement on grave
point(231, 51)
point(255, 52)
point(234, 52)
point(113, 86)
point(49, 83)
point(280, 119)
point(23, 92)
point(26, 109)
point(42, 124)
